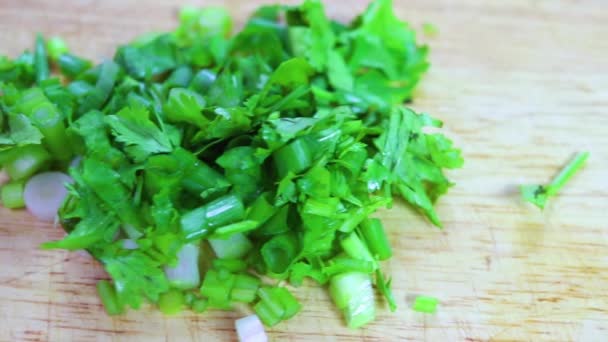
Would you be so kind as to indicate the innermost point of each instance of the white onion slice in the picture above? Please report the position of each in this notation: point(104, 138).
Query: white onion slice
point(234, 247)
point(129, 244)
point(250, 329)
point(185, 274)
point(44, 193)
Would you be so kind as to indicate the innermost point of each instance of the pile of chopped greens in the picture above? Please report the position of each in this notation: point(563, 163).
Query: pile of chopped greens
point(210, 169)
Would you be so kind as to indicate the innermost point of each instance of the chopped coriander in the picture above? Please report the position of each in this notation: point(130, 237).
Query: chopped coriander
point(211, 164)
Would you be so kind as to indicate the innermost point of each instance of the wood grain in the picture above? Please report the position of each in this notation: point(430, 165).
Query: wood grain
point(521, 86)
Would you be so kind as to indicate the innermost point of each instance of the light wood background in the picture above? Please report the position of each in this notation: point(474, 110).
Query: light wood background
point(521, 86)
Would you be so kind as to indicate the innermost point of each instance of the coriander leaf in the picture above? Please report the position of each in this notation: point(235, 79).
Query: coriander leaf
point(135, 276)
point(95, 226)
point(22, 131)
point(322, 38)
point(164, 215)
point(290, 73)
point(108, 186)
point(92, 129)
point(145, 59)
point(142, 138)
point(339, 75)
point(244, 170)
point(186, 106)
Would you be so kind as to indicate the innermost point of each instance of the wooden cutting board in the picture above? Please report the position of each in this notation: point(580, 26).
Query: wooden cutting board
point(521, 86)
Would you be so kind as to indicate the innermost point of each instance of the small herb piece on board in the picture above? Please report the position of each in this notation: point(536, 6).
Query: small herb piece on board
point(210, 169)
point(539, 194)
point(425, 304)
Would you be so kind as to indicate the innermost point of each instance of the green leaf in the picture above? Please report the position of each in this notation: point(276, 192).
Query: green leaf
point(185, 106)
point(136, 277)
point(321, 37)
point(339, 75)
point(132, 126)
point(148, 58)
point(291, 73)
point(22, 131)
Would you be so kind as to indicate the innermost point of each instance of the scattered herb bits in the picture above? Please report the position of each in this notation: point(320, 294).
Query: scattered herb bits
point(425, 304)
point(539, 194)
point(209, 168)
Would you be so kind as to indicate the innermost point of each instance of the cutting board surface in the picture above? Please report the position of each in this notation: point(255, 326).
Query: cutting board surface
point(521, 86)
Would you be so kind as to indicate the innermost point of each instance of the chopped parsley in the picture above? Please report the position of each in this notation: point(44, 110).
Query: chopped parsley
point(257, 156)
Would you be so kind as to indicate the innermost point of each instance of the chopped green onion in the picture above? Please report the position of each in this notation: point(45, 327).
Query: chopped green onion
point(185, 274)
point(353, 294)
point(107, 293)
point(199, 176)
point(217, 286)
point(200, 222)
point(41, 64)
point(566, 173)
point(45, 116)
point(171, 302)
point(277, 224)
point(12, 195)
point(49, 121)
point(108, 74)
point(26, 161)
point(73, 66)
point(339, 265)
point(375, 237)
point(234, 247)
point(539, 194)
point(245, 288)
point(232, 265)
point(294, 157)
point(234, 228)
point(425, 304)
point(356, 249)
point(279, 252)
point(276, 304)
point(261, 210)
point(222, 287)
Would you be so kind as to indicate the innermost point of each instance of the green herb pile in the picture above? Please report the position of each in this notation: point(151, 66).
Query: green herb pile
point(211, 167)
